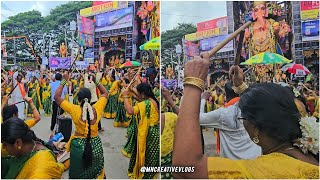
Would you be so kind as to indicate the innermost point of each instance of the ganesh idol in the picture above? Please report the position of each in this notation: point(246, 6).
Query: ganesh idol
point(263, 33)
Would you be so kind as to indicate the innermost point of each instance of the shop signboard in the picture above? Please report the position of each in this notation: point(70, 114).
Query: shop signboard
point(309, 10)
point(203, 34)
point(210, 43)
point(99, 8)
point(59, 62)
point(221, 22)
point(310, 30)
point(114, 20)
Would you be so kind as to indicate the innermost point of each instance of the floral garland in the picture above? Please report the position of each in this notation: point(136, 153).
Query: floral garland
point(87, 106)
point(310, 135)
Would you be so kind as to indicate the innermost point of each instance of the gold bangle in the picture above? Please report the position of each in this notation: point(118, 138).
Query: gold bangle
point(195, 82)
point(126, 96)
point(240, 89)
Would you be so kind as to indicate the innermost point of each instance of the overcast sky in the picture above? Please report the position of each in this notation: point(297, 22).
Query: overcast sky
point(174, 12)
point(10, 8)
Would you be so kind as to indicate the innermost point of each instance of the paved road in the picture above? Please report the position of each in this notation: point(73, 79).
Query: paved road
point(113, 139)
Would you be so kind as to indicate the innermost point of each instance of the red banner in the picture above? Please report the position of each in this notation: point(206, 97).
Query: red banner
point(212, 24)
point(309, 5)
point(97, 3)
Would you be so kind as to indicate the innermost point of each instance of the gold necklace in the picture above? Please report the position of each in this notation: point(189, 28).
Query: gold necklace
point(278, 147)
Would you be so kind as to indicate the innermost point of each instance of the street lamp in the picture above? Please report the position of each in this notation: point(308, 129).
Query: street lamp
point(178, 52)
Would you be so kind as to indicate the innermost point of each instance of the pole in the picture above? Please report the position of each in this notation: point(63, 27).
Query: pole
point(15, 53)
point(178, 69)
point(65, 35)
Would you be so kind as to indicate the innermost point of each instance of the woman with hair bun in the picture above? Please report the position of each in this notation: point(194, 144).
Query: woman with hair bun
point(272, 120)
point(28, 158)
point(85, 146)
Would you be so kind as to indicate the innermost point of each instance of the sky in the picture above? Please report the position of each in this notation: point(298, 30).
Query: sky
point(10, 8)
point(174, 12)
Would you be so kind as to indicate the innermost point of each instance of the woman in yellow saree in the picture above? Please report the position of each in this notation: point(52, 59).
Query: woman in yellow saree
point(271, 119)
point(46, 98)
point(147, 149)
point(27, 159)
point(34, 93)
point(85, 146)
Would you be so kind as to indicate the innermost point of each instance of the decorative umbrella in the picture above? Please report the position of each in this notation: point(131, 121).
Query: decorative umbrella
point(266, 58)
point(130, 64)
point(153, 44)
point(296, 69)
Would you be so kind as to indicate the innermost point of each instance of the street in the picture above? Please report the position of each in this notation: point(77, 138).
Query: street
point(113, 139)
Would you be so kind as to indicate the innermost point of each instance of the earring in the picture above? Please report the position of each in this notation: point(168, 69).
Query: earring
point(19, 147)
point(255, 140)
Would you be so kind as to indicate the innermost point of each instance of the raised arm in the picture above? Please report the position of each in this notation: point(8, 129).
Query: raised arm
point(35, 112)
point(189, 144)
point(129, 109)
point(167, 96)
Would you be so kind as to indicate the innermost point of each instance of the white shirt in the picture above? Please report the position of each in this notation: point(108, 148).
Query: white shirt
point(235, 142)
point(92, 87)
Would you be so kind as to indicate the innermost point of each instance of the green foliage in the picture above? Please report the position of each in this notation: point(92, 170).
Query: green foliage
point(172, 37)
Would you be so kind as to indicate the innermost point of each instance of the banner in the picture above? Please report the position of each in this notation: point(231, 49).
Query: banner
point(114, 20)
point(310, 30)
point(58, 62)
point(103, 7)
point(190, 49)
point(89, 55)
point(214, 23)
point(86, 31)
point(309, 10)
point(204, 34)
point(210, 43)
point(169, 83)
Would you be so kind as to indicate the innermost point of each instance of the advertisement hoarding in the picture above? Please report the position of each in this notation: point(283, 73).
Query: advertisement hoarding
point(310, 30)
point(114, 20)
point(309, 10)
point(101, 7)
point(212, 24)
point(58, 62)
point(210, 43)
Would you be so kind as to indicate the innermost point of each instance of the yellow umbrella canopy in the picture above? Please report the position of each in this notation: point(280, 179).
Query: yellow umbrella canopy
point(153, 44)
point(266, 58)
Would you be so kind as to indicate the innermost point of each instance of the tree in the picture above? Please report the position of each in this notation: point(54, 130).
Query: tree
point(34, 26)
point(170, 38)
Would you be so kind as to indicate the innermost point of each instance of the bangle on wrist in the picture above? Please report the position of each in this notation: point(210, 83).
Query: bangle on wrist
point(240, 89)
point(63, 82)
point(126, 97)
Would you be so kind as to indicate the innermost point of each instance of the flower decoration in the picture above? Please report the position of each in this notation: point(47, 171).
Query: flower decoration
point(310, 135)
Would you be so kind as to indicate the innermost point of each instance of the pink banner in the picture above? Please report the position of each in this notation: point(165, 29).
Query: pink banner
point(97, 3)
point(309, 5)
point(212, 24)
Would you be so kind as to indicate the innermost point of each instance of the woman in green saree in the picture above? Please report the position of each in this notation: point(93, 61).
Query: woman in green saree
point(34, 93)
point(147, 150)
point(85, 146)
point(46, 98)
point(28, 158)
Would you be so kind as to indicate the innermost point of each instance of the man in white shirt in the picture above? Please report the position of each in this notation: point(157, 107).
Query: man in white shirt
point(18, 94)
point(235, 142)
point(89, 82)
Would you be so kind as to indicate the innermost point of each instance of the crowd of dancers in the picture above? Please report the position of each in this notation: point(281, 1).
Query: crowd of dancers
point(130, 97)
